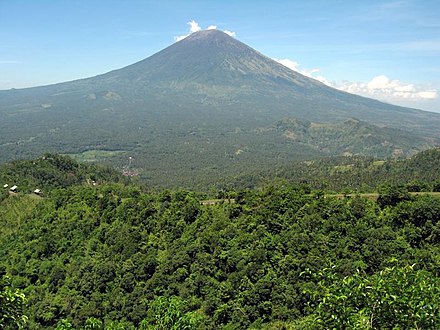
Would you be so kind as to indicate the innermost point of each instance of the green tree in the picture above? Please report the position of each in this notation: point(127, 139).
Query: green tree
point(64, 325)
point(169, 314)
point(392, 195)
point(12, 302)
point(93, 324)
point(394, 298)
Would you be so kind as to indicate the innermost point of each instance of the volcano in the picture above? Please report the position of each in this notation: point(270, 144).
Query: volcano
point(205, 102)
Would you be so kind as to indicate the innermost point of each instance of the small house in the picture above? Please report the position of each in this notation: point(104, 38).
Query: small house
point(14, 188)
point(5, 185)
point(37, 191)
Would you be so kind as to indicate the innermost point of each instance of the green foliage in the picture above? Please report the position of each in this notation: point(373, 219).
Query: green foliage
point(342, 174)
point(52, 171)
point(12, 302)
point(392, 195)
point(363, 174)
point(93, 324)
point(64, 325)
point(169, 314)
point(111, 256)
point(393, 298)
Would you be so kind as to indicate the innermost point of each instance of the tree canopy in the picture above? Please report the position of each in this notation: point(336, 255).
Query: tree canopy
point(114, 256)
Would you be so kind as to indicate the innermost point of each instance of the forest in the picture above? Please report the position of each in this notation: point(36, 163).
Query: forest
point(99, 251)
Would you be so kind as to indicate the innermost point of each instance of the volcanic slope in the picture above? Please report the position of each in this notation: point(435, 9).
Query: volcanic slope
point(205, 102)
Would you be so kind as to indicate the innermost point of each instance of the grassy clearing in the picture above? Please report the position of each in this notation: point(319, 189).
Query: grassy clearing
point(95, 155)
point(434, 194)
point(342, 168)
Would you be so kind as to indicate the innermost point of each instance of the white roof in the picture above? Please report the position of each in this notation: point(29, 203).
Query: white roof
point(5, 185)
point(14, 187)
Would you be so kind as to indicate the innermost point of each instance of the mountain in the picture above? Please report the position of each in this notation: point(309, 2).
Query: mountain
point(203, 106)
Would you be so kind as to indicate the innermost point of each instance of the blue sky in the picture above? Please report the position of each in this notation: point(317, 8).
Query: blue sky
point(388, 50)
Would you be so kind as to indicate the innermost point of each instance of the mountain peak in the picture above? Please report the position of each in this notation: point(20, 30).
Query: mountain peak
point(212, 37)
point(208, 80)
point(212, 33)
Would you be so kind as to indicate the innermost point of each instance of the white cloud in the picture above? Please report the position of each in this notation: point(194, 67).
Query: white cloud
point(293, 65)
point(383, 88)
point(230, 33)
point(178, 38)
point(323, 80)
point(405, 88)
point(379, 82)
point(428, 95)
point(195, 27)
point(380, 87)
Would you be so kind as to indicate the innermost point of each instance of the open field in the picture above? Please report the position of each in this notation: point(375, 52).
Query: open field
point(95, 155)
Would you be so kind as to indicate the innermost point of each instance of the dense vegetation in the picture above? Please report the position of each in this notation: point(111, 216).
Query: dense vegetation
point(208, 155)
point(114, 255)
point(52, 171)
point(354, 174)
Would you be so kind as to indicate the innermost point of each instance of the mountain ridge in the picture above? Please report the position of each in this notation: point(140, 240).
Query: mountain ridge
point(185, 99)
point(198, 48)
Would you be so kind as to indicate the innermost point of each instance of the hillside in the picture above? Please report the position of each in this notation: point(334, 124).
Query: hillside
point(205, 107)
point(334, 174)
point(281, 256)
point(353, 173)
point(52, 171)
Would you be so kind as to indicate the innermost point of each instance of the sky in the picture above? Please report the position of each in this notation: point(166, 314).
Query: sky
point(384, 49)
